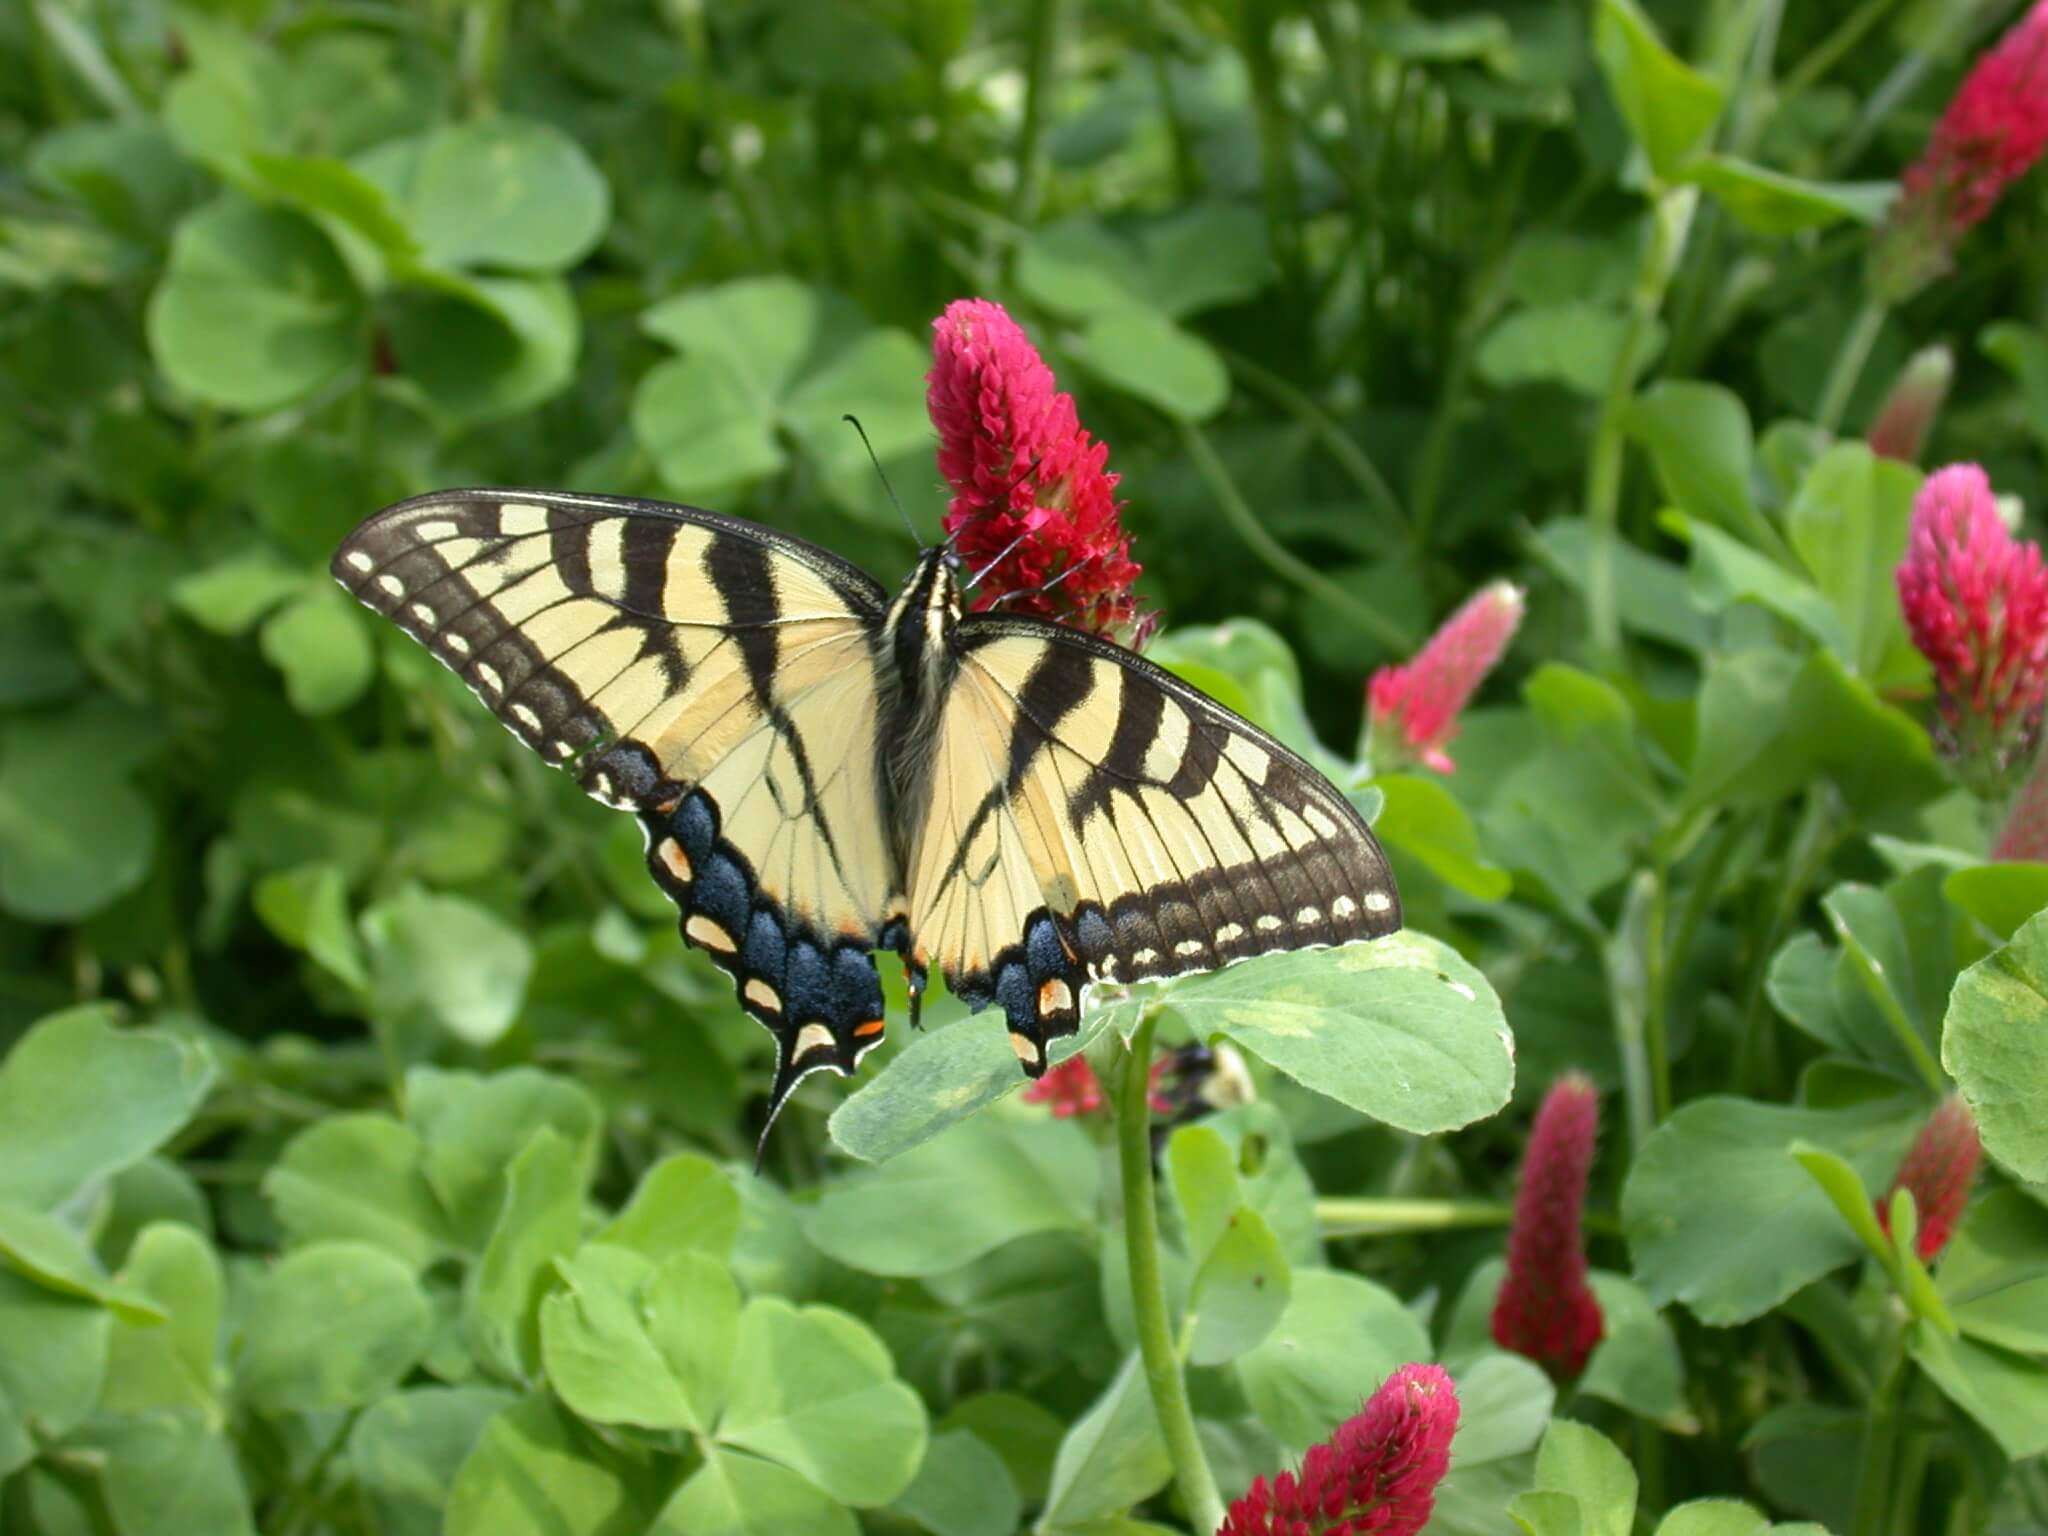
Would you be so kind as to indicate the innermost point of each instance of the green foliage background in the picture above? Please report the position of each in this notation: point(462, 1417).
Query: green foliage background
point(372, 1155)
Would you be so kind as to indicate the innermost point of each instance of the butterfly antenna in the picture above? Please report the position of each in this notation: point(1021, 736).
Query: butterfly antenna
point(976, 579)
point(854, 421)
point(1045, 586)
point(1009, 490)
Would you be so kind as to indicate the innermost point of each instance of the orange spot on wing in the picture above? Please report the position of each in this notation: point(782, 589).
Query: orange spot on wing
point(871, 1027)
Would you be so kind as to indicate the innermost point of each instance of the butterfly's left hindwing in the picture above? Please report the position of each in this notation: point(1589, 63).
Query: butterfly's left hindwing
point(715, 678)
point(1091, 817)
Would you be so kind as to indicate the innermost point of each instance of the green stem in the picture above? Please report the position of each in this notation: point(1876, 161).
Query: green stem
point(1276, 152)
point(1276, 556)
point(1341, 445)
point(1043, 35)
point(1828, 52)
point(1848, 364)
point(1880, 1445)
point(1670, 220)
point(1148, 1288)
point(1657, 984)
point(1812, 841)
point(1374, 1216)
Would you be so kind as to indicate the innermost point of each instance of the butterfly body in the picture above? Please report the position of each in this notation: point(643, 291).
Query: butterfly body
point(822, 771)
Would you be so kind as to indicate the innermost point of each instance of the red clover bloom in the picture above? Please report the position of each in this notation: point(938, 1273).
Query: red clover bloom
point(1377, 1474)
point(1546, 1311)
point(1072, 1088)
point(1032, 499)
point(1993, 130)
point(1976, 604)
point(1412, 710)
point(1937, 1169)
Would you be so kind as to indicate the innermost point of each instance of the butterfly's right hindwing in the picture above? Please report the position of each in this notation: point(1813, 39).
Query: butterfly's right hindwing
point(718, 680)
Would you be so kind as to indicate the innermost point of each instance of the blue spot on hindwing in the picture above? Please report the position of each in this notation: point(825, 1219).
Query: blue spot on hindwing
point(856, 989)
point(720, 892)
point(766, 954)
point(1042, 950)
point(695, 825)
point(1015, 992)
point(808, 994)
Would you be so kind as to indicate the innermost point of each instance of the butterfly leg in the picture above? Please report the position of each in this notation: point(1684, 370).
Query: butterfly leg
point(895, 935)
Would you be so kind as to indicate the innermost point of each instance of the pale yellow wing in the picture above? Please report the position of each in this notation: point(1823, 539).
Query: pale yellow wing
point(715, 677)
point(1092, 817)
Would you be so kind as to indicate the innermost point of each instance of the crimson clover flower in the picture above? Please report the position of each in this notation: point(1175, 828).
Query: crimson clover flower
point(1032, 499)
point(1412, 709)
point(1072, 1088)
point(1378, 1473)
point(1937, 1168)
point(1546, 1311)
point(1976, 604)
point(1993, 130)
point(1908, 412)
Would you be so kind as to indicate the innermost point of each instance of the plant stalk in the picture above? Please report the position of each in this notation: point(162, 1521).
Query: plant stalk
point(1374, 1216)
point(1876, 1462)
point(1275, 555)
point(1670, 220)
point(1148, 1288)
point(1043, 37)
point(1848, 364)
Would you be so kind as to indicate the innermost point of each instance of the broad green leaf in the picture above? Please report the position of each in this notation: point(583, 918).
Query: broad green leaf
point(45, 1250)
point(963, 1489)
point(1546, 1512)
point(1076, 267)
point(2000, 896)
point(760, 328)
point(308, 908)
point(81, 1100)
point(1723, 571)
point(629, 1341)
point(74, 834)
point(332, 1325)
point(2006, 1393)
point(1584, 1463)
point(2023, 352)
point(1573, 344)
point(1424, 820)
point(501, 192)
point(1340, 1336)
point(540, 1222)
point(1402, 1029)
point(733, 1494)
point(536, 1472)
point(1590, 722)
point(1239, 1291)
point(1719, 1215)
point(1143, 353)
point(486, 347)
point(1848, 523)
point(168, 1472)
point(1207, 254)
point(168, 1365)
point(1770, 203)
point(255, 308)
point(1022, 1431)
point(683, 1204)
point(1994, 1272)
point(444, 963)
point(1669, 107)
point(934, 1084)
point(335, 193)
point(322, 646)
point(472, 1126)
point(879, 378)
point(1995, 1044)
point(1203, 1171)
point(1877, 963)
point(53, 1357)
point(815, 1390)
point(831, 45)
point(1112, 1457)
point(1248, 666)
point(1699, 440)
point(704, 429)
point(1713, 1517)
point(360, 1177)
point(230, 596)
point(1839, 1182)
point(405, 1450)
point(1504, 1404)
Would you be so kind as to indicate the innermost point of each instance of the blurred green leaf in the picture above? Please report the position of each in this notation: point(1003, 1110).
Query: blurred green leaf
point(1770, 203)
point(256, 309)
point(738, 1495)
point(536, 1472)
point(962, 1489)
point(472, 1127)
point(169, 1365)
point(53, 1355)
point(1141, 351)
point(629, 1341)
point(1572, 344)
point(1670, 108)
point(169, 1472)
point(333, 1325)
point(2000, 896)
point(1112, 1457)
point(1994, 1272)
point(1340, 1336)
point(683, 1204)
point(2006, 1393)
point(539, 1224)
point(80, 1100)
point(1848, 523)
point(503, 192)
point(232, 595)
point(359, 1177)
point(1994, 1043)
point(815, 1390)
point(1698, 437)
point(74, 834)
point(320, 644)
point(406, 1449)
point(444, 963)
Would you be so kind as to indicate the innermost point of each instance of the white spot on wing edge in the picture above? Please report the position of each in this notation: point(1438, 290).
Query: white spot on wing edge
point(358, 561)
point(526, 717)
point(520, 518)
point(433, 530)
point(488, 679)
point(391, 584)
point(1343, 906)
point(1377, 901)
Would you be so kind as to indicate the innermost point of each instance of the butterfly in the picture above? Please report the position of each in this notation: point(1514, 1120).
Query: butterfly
point(823, 771)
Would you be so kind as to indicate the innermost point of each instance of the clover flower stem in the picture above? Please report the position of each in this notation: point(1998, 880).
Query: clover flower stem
point(1043, 30)
point(1341, 445)
point(1148, 1286)
point(1829, 51)
point(1878, 1457)
point(1210, 466)
point(1375, 1217)
point(1848, 365)
point(1670, 223)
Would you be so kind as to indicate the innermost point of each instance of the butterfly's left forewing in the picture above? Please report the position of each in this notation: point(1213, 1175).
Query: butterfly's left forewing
point(715, 678)
point(1091, 817)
